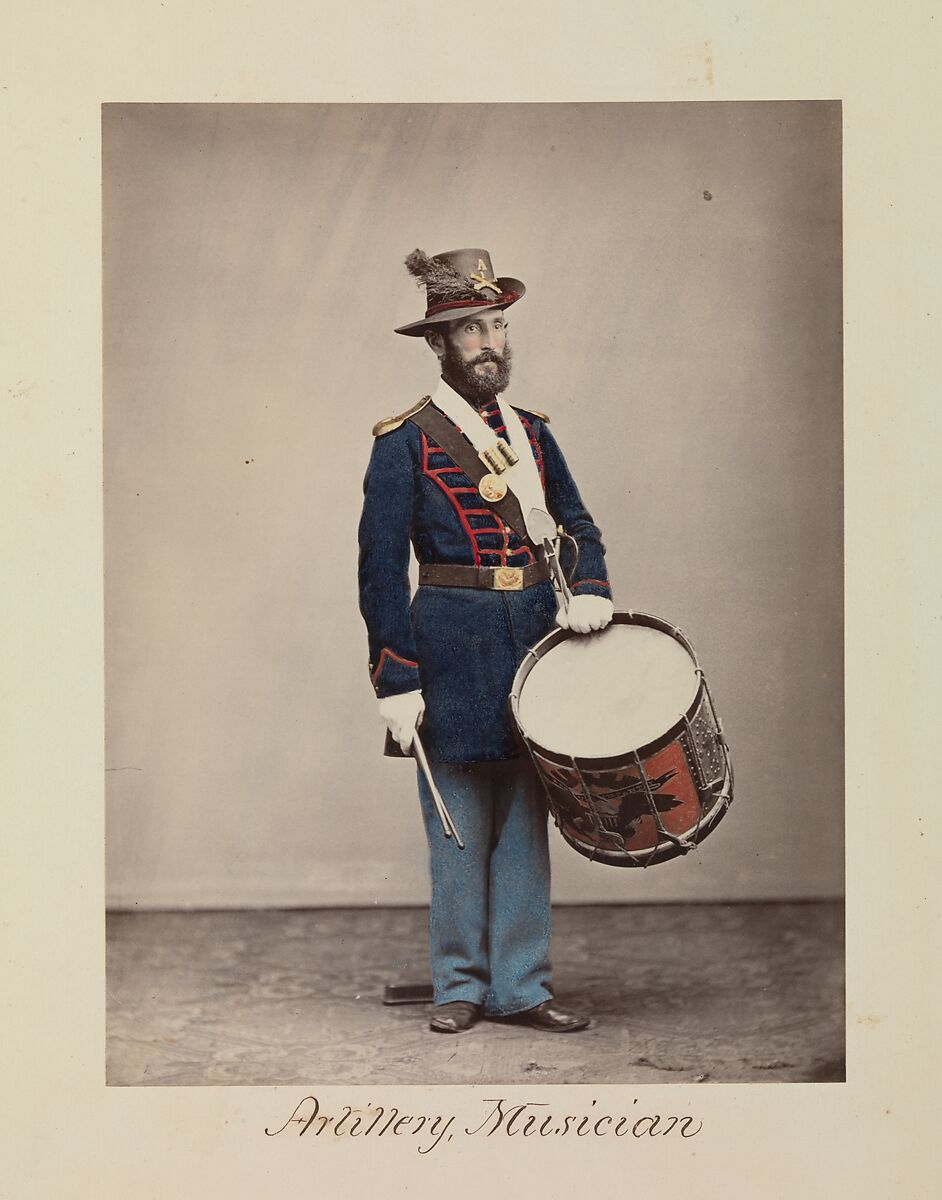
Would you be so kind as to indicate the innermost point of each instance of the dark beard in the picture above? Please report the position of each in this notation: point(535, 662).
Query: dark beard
point(475, 388)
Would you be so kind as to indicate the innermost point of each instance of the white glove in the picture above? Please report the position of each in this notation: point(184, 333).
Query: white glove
point(585, 613)
point(402, 714)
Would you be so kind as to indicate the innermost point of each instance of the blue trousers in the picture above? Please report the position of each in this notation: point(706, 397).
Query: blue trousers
point(489, 921)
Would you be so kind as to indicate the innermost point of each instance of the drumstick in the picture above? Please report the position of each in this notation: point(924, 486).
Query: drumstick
point(444, 815)
point(564, 595)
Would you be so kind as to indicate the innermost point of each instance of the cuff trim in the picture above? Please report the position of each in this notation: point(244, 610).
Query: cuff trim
point(597, 582)
point(387, 653)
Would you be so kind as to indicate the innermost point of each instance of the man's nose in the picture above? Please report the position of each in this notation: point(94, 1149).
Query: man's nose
point(486, 338)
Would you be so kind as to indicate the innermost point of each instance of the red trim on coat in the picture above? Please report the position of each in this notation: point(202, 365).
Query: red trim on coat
point(537, 448)
point(449, 492)
point(601, 582)
point(500, 553)
point(387, 653)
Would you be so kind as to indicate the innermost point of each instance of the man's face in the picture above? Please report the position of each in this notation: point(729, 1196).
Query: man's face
point(475, 352)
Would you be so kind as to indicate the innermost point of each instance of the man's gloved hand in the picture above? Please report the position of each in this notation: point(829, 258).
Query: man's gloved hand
point(402, 714)
point(586, 613)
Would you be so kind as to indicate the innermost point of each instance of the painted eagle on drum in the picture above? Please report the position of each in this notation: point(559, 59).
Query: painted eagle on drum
point(620, 808)
point(619, 799)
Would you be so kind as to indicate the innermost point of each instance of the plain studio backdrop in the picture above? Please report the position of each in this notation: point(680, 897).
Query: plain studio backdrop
point(682, 328)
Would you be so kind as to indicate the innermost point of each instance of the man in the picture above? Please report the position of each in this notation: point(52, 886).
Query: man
point(475, 486)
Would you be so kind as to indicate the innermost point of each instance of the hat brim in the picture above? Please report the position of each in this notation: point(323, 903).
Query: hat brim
point(417, 328)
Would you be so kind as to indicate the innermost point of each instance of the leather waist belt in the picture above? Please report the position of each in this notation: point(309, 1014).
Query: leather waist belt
point(499, 579)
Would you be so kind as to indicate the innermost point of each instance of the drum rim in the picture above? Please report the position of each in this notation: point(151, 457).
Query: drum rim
point(553, 639)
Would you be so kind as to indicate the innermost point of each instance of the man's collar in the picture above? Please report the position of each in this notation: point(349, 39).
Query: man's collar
point(457, 409)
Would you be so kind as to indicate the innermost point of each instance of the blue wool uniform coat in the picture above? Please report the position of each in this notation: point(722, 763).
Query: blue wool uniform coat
point(460, 646)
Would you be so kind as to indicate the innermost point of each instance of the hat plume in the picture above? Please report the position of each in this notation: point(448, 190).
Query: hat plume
point(443, 283)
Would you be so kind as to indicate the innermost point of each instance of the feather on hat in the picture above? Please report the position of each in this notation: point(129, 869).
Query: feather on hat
point(455, 281)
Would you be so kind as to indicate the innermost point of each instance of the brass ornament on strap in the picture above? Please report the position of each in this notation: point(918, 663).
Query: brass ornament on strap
point(499, 457)
point(492, 488)
point(509, 453)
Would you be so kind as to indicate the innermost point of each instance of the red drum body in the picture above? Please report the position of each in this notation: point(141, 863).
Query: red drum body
point(623, 734)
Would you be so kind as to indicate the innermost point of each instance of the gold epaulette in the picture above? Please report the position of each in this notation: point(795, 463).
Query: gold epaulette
point(390, 423)
point(535, 412)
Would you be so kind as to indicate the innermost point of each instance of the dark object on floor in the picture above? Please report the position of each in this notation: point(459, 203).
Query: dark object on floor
point(454, 1017)
point(408, 993)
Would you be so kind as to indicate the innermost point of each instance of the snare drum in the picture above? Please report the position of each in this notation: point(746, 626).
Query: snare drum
point(624, 736)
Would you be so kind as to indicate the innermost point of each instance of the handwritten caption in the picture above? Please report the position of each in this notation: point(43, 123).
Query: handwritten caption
point(503, 1117)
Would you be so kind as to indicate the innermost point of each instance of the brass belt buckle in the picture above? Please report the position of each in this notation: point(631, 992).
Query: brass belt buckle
point(508, 579)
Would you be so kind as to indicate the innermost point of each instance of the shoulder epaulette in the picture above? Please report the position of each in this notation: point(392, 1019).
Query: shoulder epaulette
point(534, 412)
point(388, 424)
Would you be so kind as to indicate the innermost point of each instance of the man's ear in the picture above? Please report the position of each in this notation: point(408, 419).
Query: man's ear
point(436, 341)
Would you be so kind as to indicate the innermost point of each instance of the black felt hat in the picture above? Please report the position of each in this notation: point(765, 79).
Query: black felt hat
point(457, 281)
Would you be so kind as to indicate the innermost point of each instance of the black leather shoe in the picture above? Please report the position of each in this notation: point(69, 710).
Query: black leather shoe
point(455, 1017)
point(550, 1018)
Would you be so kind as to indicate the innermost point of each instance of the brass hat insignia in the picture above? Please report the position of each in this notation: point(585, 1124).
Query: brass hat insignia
point(480, 280)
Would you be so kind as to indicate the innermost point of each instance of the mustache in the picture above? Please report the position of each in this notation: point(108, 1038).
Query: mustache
point(491, 356)
point(464, 377)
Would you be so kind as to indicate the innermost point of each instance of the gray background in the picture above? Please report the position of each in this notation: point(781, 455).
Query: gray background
point(688, 352)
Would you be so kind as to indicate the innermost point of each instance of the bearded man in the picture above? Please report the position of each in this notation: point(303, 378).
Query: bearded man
point(473, 484)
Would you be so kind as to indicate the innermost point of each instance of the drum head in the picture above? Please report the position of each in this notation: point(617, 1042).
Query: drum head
point(607, 693)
